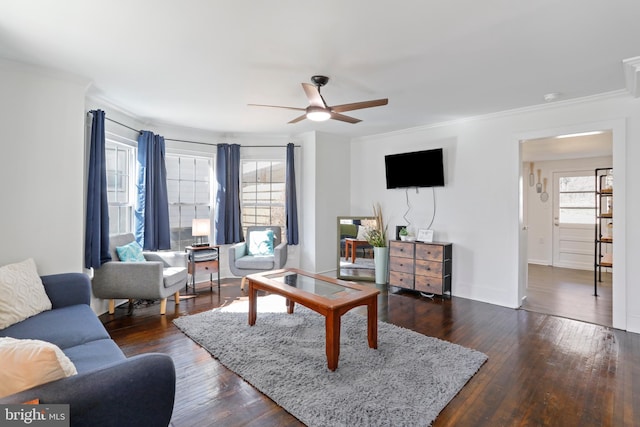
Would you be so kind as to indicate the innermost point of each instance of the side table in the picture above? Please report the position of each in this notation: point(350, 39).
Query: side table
point(350, 247)
point(203, 259)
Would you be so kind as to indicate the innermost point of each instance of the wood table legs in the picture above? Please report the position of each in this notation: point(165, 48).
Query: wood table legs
point(332, 326)
point(350, 247)
point(253, 304)
point(332, 346)
point(332, 323)
point(372, 322)
point(290, 306)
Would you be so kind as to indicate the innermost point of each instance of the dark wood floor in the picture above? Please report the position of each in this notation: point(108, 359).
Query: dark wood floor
point(569, 293)
point(542, 370)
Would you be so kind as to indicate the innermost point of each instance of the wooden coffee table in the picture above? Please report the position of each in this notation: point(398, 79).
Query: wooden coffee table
point(327, 296)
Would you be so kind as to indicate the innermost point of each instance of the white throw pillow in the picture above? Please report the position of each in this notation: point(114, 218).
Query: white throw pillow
point(22, 293)
point(261, 242)
point(29, 363)
point(362, 232)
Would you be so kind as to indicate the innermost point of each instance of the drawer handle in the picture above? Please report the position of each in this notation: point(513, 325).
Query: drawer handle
point(428, 268)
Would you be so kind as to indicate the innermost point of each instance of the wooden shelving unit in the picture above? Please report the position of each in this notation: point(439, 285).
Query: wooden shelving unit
point(603, 254)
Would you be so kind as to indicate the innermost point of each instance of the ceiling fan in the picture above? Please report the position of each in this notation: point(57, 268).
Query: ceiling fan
point(319, 111)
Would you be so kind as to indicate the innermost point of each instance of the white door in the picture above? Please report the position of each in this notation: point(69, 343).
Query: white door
point(574, 216)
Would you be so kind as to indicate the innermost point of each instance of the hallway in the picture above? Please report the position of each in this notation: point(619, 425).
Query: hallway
point(568, 293)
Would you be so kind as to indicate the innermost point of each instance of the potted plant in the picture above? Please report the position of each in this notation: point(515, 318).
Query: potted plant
point(405, 236)
point(403, 233)
point(377, 237)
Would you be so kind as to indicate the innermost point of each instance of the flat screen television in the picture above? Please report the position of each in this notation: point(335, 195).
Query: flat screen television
point(415, 169)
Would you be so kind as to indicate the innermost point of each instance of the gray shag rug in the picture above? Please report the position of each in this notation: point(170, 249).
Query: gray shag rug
point(407, 381)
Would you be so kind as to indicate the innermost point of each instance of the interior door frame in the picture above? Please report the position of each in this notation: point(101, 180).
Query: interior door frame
point(619, 136)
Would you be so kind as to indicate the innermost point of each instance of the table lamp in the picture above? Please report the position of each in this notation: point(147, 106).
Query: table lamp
point(200, 228)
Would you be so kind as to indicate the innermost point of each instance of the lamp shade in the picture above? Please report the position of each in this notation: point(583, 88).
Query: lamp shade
point(200, 227)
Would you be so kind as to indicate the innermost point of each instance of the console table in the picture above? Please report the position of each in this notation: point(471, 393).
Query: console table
point(203, 259)
point(424, 267)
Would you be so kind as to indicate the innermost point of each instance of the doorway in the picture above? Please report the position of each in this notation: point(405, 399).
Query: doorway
point(559, 230)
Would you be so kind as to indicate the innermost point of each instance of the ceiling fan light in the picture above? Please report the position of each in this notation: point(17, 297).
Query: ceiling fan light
point(318, 114)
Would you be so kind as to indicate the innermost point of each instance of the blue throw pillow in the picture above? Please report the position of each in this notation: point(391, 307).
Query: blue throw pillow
point(131, 252)
point(261, 242)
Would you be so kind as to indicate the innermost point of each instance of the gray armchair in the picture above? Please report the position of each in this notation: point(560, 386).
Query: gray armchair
point(162, 274)
point(242, 264)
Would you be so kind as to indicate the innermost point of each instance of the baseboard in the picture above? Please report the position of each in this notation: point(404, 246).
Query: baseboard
point(575, 266)
point(539, 262)
point(633, 324)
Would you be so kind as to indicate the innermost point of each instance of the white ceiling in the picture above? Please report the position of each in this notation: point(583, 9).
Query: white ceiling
point(197, 63)
point(598, 145)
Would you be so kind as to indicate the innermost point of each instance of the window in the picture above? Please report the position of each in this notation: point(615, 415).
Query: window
point(262, 192)
point(120, 171)
point(189, 190)
point(577, 199)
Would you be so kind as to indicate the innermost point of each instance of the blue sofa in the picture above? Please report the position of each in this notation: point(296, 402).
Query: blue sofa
point(109, 389)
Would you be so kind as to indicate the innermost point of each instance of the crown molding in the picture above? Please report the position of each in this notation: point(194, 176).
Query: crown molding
point(500, 114)
point(632, 75)
point(96, 96)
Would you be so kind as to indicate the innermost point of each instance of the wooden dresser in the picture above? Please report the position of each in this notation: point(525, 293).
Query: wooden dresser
point(424, 267)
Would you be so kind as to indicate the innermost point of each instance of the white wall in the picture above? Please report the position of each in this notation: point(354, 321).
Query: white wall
point(333, 159)
point(41, 168)
point(478, 209)
point(325, 196)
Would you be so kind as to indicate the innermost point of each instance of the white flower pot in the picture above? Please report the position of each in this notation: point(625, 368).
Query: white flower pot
point(381, 261)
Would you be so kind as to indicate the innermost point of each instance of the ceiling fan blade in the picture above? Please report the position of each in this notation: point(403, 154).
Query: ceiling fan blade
point(298, 119)
point(313, 95)
point(343, 118)
point(276, 106)
point(359, 105)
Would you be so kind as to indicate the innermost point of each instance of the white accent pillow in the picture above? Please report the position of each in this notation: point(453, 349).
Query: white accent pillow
point(261, 242)
point(29, 363)
point(22, 293)
point(362, 232)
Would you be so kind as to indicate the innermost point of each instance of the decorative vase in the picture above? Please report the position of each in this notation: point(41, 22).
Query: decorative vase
point(381, 260)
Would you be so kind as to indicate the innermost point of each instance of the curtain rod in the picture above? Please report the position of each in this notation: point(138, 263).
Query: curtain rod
point(123, 125)
point(195, 142)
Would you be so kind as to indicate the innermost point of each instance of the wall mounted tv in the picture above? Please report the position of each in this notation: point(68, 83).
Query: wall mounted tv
point(415, 169)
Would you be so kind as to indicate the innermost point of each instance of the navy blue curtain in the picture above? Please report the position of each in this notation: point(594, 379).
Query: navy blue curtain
point(291, 205)
point(152, 211)
point(227, 221)
point(96, 240)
